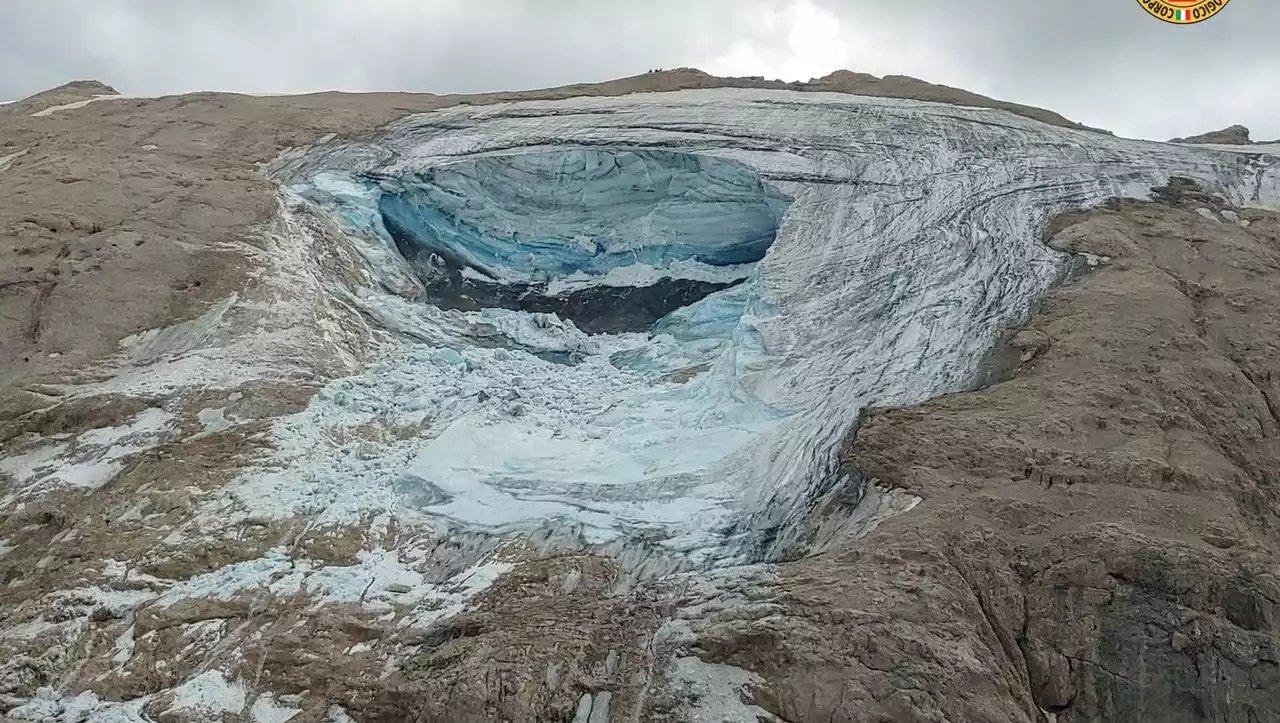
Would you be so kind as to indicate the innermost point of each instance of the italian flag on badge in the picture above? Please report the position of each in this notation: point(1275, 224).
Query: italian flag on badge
point(1183, 12)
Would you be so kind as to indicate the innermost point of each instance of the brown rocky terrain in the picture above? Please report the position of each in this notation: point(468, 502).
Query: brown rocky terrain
point(1231, 135)
point(1096, 541)
point(1234, 135)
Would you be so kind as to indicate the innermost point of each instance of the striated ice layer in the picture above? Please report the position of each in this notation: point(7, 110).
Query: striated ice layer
point(904, 236)
point(610, 239)
point(550, 214)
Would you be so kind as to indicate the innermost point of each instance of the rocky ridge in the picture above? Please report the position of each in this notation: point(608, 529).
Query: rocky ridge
point(1231, 135)
point(1234, 135)
point(1094, 541)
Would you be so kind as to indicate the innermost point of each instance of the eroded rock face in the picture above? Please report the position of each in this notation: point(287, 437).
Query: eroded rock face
point(292, 486)
point(1231, 135)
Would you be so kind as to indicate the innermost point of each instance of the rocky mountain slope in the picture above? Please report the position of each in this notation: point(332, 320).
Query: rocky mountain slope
point(1231, 135)
point(1234, 135)
point(672, 398)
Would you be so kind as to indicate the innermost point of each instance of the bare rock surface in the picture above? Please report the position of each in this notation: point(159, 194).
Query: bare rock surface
point(1090, 536)
point(1231, 135)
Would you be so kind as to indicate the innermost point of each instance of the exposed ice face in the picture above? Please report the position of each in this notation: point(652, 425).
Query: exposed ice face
point(911, 239)
point(548, 214)
point(610, 239)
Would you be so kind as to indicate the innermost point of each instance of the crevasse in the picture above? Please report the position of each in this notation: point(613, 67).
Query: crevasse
point(645, 324)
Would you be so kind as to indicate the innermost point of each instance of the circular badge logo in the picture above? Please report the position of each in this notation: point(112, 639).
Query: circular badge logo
point(1183, 12)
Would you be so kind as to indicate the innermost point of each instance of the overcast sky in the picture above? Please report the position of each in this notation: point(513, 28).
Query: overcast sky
point(1102, 62)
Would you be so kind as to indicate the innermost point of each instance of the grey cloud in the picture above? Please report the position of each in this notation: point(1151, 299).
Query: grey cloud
point(147, 47)
point(1103, 62)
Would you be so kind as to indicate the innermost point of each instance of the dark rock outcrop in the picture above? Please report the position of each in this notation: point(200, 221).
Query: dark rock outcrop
point(1236, 135)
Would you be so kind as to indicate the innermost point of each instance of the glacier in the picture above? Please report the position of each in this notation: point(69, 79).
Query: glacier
point(645, 324)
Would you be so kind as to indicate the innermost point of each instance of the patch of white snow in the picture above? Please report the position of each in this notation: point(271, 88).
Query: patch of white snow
point(336, 714)
point(209, 694)
point(78, 104)
point(380, 581)
point(34, 463)
point(275, 571)
point(6, 160)
point(125, 645)
point(212, 421)
point(85, 707)
point(266, 709)
point(720, 692)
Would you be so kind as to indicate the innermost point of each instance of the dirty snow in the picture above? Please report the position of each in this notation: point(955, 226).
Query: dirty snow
point(336, 714)
point(267, 709)
point(48, 707)
point(93, 459)
point(720, 692)
point(78, 104)
point(6, 160)
point(125, 645)
point(209, 694)
point(380, 580)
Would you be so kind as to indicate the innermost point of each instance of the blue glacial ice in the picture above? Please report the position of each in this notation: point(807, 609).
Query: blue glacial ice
point(547, 215)
point(611, 240)
point(798, 257)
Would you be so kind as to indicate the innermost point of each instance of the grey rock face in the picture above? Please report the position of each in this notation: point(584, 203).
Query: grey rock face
point(1231, 135)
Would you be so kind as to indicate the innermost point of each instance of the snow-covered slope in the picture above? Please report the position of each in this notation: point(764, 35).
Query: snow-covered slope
point(768, 263)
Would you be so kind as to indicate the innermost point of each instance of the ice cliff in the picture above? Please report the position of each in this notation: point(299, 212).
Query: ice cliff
point(507, 232)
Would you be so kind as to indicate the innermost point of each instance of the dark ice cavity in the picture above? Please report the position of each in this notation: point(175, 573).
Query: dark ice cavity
point(499, 231)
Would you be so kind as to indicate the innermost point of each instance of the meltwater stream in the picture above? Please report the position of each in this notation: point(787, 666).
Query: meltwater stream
point(648, 322)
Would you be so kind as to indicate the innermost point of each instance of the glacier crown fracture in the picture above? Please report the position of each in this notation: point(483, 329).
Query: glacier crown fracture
point(510, 231)
point(646, 323)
